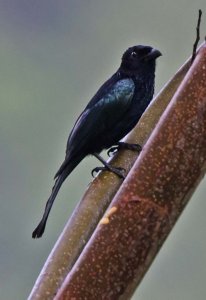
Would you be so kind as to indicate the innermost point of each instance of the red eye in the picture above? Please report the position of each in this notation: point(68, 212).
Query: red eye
point(134, 54)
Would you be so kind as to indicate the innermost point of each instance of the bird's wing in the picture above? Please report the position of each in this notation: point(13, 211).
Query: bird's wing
point(104, 89)
point(100, 117)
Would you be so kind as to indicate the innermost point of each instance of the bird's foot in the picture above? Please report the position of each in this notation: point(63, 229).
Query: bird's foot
point(122, 145)
point(118, 171)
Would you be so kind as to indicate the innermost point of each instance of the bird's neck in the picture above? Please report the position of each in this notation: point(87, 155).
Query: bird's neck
point(143, 74)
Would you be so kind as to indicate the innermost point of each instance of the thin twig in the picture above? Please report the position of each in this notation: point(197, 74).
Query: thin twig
point(197, 36)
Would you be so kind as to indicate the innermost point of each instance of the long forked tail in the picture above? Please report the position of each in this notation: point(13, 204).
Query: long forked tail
point(38, 232)
point(66, 168)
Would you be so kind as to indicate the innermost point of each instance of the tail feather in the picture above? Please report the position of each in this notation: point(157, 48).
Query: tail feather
point(68, 168)
point(38, 232)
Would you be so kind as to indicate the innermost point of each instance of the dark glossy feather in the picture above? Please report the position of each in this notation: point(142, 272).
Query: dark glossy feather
point(97, 119)
point(109, 116)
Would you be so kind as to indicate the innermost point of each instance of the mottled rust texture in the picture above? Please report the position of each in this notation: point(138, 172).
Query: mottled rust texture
point(149, 201)
point(97, 198)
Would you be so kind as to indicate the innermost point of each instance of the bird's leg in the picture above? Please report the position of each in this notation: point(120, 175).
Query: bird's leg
point(118, 171)
point(122, 145)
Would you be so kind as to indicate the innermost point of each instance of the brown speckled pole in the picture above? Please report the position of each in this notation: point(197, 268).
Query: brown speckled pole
point(97, 198)
point(149, 201)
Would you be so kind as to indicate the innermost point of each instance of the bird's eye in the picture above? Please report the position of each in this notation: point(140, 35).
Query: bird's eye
point(134, 54)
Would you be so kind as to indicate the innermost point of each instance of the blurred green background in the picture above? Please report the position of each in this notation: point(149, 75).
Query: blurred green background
point(53, 57)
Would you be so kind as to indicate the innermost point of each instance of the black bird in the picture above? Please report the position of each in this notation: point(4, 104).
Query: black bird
point(109, 116)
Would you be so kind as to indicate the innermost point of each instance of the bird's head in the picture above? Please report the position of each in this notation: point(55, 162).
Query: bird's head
point(139, 57)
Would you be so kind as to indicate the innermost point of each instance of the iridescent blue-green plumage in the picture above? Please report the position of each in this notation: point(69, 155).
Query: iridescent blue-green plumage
point(110, 115)
point(99, 118)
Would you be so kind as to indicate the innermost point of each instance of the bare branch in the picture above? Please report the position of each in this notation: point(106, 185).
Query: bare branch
point(150, 200)
point(197, 36)
point(97, 198)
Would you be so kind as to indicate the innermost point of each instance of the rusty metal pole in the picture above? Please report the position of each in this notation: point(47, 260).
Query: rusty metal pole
point(97, 198)
point(149, 201)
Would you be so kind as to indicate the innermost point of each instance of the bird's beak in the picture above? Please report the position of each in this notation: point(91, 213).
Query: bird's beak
point(154, 53)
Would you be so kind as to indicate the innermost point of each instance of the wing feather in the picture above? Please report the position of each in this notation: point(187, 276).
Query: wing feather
point(102, 116)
